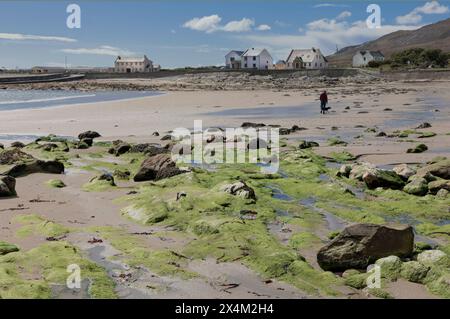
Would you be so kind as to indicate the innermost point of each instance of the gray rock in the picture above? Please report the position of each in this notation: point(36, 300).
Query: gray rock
point(157, 167)
point(404, 171)
point(381, 178)
point(359, 245)
point(88, 134)
point(36, 166)
point(417, 186)
point(240, 189)
point(7, 186)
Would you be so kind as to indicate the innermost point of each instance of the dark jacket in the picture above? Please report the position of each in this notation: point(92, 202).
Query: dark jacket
point(324, 97)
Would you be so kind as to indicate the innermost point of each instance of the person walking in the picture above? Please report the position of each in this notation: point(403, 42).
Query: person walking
point(323, 102)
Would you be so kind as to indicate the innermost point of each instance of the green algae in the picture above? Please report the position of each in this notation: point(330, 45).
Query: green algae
point(334, 141)
point(342, 157)
point(55, 183)
point(380, 293)
point(36, 225)
point(6, 248)
point(30, 274)
point(136, 253)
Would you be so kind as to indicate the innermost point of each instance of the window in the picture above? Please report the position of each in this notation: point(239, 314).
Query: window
point(232, 59)
point(245, 65)
point(254, 58)
point(254, 65)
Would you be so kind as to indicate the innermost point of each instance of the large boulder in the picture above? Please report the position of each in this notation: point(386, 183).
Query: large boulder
point(404, 171)
point(434, 258)
point(440, 169)
point(380, 178)
point(120, 149)
point(88, 134)
point(417, 186)
point(13, 156)
point(7, 186)
point(359, 169)
point(36, 166)
point(157, 167)
point(359, 245)
point(240, 189)
point(435, 186)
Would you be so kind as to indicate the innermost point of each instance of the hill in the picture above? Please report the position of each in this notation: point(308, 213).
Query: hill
point(432, 36)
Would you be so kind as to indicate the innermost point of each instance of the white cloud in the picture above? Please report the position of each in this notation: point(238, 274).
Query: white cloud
point(102, 50)
point(322, 5)
point(415, 16)
point(207, 23)
point(211, 24)
point(239, 26)
point(432, 7)
point(410, 18)
point(264, 27)
point(22, 37)
point(344, 15)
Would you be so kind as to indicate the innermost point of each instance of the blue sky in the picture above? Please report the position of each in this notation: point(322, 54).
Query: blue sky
point(182, 33)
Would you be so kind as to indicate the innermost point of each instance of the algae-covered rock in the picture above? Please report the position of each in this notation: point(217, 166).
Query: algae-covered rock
point(145, 216)
point(420, 148)
point(414, 271)
point(390, 267)
point(382, 178)
point(56, 183)
point(100, 183)
point(436, 186)
point(307, 144)
point(442, 193)
point(6, 248)
point(357, 281)
point(441, 286)
point(440, 169)
point(350, 272)
point(359, 245)
point(13, 156)
point(380, 293)
point(122, 174)
point(417, 186)
point(240, 189)
point(17, 144)
point(36, 166)
point(7, 186)
point(344, 170)
point(434, 258)
point(358, 170)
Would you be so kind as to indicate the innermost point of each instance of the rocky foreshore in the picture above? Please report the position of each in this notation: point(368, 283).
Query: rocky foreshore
point(316, 229)
point(219, 81)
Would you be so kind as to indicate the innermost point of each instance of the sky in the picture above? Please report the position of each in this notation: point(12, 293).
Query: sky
point(193, 33)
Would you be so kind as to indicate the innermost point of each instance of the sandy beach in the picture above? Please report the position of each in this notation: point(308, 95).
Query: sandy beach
point(388, 107)
point(98, 221)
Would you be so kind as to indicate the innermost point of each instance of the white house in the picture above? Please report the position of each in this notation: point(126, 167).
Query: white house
point(362, 58)
point(306, 59)
point(233, 59)
point(133, 64)
point(259, 59)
